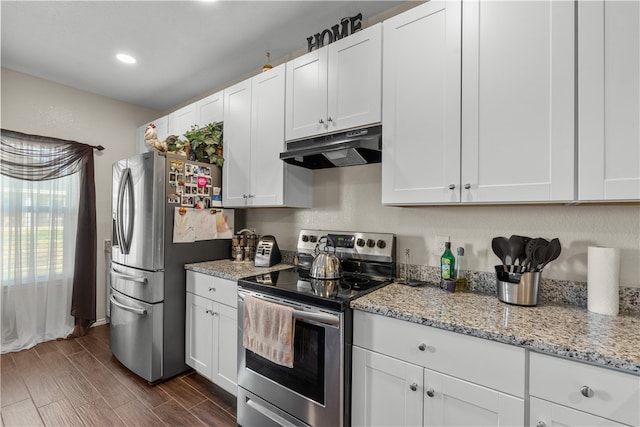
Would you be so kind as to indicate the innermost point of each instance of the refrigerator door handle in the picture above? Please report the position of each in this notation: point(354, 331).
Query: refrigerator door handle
point(128, 277)
point(140, 311)
point(118, 214)
point(126, 185)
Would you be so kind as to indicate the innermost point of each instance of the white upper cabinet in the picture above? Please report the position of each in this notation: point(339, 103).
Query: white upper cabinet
point(336, 87)
point(254, 175)
point(518, 101)
point(210, 109)
point(182, 119)
point(421, 104)
point(479, 103)
point(608, 100)
point(237, 144)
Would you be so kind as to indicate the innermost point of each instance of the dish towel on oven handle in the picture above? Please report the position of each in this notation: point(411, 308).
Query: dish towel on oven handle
point(268, 330)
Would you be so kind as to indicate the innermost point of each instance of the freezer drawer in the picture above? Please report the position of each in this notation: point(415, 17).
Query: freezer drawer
point(144, 285)
point(137, 335)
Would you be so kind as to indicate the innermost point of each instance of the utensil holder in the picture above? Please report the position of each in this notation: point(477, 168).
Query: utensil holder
point(524, 292)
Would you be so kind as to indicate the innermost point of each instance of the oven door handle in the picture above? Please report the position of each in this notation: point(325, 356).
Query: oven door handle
point(320, 317)
point(327, 319)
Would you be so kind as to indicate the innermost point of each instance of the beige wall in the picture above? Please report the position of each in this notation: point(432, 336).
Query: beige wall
point(349, 199)
point(40, 107)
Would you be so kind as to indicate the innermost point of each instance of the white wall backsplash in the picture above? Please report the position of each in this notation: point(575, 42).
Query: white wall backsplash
point(40, 107)
point(349, 199)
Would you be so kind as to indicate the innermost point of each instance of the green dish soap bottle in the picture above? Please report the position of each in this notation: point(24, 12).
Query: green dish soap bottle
point(447, 264)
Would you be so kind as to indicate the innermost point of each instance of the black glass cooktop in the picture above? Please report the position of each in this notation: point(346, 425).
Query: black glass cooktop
point(297, 285)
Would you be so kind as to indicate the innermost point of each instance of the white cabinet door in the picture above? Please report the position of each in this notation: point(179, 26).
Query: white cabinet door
point(336, 87)
point(199, 337)
point(183, 119)
point(306, 106)
point(237, 144)
point(210, 109)
point(355, 80)
point(518, 101)
point(385, 391)
point(547, 414)
point(225, 352)
point(609, 100)
point(267, 127)
point(254, 175)
point(421, 105)
point(453, 402)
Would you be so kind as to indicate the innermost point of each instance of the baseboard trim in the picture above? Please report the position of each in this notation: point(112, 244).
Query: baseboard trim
point(100, 322)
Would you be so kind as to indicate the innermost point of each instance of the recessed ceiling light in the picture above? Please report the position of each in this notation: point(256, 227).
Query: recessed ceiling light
point(127, 59)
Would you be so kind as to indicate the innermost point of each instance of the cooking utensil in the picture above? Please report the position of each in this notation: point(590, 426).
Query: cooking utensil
point(552, 252)
point(500, 246)
point(530, 249)
point(516, 247)
point(325, 265)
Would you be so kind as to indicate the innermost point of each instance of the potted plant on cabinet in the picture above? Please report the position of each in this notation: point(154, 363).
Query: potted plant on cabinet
point(205, 143)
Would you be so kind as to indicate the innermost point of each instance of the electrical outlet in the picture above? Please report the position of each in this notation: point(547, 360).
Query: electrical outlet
point(440, 243)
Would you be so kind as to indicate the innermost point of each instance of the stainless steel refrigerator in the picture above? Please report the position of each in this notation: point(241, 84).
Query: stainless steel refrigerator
point(153, 195)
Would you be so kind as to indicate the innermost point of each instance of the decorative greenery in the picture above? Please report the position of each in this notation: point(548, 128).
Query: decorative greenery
point(206, 143)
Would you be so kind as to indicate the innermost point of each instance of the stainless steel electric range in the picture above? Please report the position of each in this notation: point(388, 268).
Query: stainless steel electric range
point(316, 391)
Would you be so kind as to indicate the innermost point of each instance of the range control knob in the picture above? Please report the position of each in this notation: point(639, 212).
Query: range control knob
point(305, 238)
point(313, 239)
point(360, 242)
point(381, 244)
point(371, 243)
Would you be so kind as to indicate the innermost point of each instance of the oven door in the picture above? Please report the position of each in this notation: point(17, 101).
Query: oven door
point(312, 391)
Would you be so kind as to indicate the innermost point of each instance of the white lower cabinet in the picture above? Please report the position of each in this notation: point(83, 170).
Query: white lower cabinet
point(385, 391)
point(391, 392)
point(450, 401)
point(568, 393)
point(405, 374)
point(547, 414)
point(211, 329)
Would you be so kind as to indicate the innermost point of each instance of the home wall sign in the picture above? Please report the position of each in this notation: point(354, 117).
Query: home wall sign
point(346, 27)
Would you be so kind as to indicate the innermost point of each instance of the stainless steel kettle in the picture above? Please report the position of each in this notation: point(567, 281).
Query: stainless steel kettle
point(325, 265)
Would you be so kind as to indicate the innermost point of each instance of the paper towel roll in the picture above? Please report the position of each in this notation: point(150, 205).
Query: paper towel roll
point(603, 274)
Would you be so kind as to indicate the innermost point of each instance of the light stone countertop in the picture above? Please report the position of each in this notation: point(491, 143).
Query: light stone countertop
point(233, 270)
point(560, 330)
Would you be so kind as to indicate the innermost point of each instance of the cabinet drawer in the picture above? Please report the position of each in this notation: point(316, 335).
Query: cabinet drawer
point(491, 364)
point(221, 290)
point(615, 395)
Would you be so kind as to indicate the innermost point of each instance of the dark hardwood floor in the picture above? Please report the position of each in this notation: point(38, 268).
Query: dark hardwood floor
point(79, 383)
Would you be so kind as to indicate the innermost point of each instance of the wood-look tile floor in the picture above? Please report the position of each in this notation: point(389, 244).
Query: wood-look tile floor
point(79, 383)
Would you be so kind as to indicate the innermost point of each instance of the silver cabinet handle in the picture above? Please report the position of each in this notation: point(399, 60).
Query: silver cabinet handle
point(321, 121)
point(467, 186)
point(586, 391)
point(422, 347)
point(541, 424)
point(329, 119)
point(452, 186)
point(213, 313)
point(140, 311)
point(431, 392)
point(413, 386)
point(212, 289)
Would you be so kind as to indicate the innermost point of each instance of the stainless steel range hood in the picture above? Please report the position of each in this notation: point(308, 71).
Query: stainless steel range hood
point(355, 147)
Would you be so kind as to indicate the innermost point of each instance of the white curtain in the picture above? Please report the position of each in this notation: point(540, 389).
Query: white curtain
point(38, 238)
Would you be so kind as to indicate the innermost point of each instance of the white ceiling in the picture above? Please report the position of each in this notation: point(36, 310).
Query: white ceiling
point(184, 48)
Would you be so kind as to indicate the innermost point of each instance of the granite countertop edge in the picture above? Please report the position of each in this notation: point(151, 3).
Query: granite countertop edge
point(562, 343)
point(233, 270)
